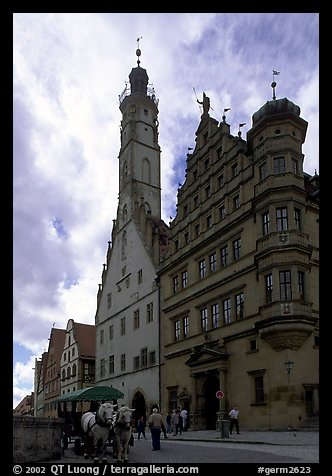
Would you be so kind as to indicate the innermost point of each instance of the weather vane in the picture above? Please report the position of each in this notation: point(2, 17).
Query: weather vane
point(225, 110)
point(273, 84)
point(241, 125)
point(138, 51)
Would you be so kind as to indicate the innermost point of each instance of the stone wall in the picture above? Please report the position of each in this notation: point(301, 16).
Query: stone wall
point(36, 439)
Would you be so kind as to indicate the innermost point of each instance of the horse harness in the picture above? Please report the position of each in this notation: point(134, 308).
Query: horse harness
point(98, 421)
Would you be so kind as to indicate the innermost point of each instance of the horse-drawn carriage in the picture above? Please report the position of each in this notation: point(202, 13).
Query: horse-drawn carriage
point(95, 421)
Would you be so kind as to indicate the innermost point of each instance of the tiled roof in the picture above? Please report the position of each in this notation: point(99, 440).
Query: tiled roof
point(85, 337)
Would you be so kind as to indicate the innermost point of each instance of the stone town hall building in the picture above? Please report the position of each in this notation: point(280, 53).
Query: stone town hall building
point(226, 298)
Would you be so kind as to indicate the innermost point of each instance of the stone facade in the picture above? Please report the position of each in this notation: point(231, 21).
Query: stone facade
point(239, 284)
point(36, 439)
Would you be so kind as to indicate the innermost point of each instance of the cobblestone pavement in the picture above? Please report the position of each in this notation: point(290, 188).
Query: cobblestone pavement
point(208, 447)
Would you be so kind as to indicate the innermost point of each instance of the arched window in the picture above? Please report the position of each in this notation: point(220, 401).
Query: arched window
point(68, 372)
point(146, 171)
point(73, 371)
point(125, 213)
point(124, 244)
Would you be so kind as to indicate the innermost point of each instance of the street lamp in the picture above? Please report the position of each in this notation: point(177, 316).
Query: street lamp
point(289, 367)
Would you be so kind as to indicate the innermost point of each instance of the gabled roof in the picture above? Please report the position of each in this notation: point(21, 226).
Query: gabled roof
point(85, 337)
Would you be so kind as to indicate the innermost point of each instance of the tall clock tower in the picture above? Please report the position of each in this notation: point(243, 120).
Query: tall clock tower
point(139, 158)
point(127, 316)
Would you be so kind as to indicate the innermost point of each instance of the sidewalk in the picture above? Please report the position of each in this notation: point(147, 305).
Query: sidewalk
point(287, 437)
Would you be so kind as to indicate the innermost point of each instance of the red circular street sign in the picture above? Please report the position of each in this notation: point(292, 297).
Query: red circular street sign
point(219, 394)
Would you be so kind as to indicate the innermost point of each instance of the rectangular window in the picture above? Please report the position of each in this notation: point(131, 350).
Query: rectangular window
point(109, 300)
point(208, 191)
point(123, 326)
point(144, 357)
point(152, 357)
point(186, 238)
point(89, 372)
point(279, 165)
point(111, 332)
point(239, 303)
point(102, 368)
point(295, 166)
point(140, 276)
point(136, 363)
point(136, 319)
point(173, 399)
point(101, 337)
point(213, 263)
point(282, 219)
point(206, 164)
point(185, 210)
point(204, 319)
point(297, 218)
point(235, 170)
point(224, 255)
point(208, 221)
point(268, 288)
point(111, 364)
point(253, 345)
point(259, 389)
point(197, 229)
point(202, 269)
point(222, 212)
point(266, 223)
point(175, 284)
point(285, 280)
point(263, 171)
point(123, 362)
point(196, 201)
point(184, 279)
point(149, 312)
point(237, 249)
point(177, 332)
point(185, 323)
point(221, 181)
point(215, 315)
point(236, 202)
point(300, 280)
point(227, 311)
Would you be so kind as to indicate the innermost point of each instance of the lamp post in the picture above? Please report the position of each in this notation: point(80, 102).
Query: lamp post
point(289, 367)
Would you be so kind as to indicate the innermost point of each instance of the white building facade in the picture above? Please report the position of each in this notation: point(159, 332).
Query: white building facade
point(127, 316)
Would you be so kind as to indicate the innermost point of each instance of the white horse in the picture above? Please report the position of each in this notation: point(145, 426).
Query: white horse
point(122, 434)
point(96, 427)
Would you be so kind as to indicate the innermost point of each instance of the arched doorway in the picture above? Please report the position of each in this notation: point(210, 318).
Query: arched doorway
point(138, 403)
point(211, 385)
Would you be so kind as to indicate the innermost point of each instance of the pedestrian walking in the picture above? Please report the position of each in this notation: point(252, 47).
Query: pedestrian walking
point(168, 422)
point(234, 420)
point(176, 422)
point(184, 416)
point(155, 424)
point(141, 428)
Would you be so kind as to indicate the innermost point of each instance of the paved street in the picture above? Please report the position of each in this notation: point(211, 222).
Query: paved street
point(207, 447)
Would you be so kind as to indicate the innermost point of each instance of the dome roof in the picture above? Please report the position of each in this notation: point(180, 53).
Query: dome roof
point(276, 106)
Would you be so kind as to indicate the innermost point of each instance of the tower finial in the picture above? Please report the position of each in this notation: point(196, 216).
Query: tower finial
point(138, 51)
point(273, 84)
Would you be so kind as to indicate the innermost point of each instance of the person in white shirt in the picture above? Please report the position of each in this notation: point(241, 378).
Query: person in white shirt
point(234, 420)
point(184, 416)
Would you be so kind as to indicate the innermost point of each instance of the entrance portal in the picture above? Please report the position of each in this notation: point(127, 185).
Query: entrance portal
point(211, 386)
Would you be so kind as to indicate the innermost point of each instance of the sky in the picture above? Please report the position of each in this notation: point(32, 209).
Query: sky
point(68, 72)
